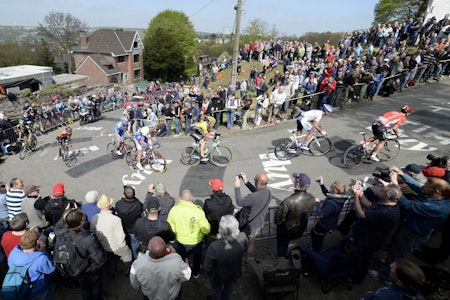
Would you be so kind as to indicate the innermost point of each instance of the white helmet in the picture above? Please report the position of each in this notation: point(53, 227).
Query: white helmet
point(145, 130)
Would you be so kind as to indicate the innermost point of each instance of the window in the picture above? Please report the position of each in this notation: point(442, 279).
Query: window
point(135, 44)
point(137, 74)
point(121, 59)
point(136, 58)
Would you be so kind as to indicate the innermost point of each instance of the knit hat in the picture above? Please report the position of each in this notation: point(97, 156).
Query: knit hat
point(29, 239)
point(413, 168)
point(58, 190)
point(302, 179)
point(91, 197)
point(104, 201)
point(160, 188)
point(216, 184)
point(152, 205)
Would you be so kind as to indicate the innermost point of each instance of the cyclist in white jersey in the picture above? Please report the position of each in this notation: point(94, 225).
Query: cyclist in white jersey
point(309, 120)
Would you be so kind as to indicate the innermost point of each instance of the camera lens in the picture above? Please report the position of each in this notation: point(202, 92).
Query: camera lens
point(431, 157)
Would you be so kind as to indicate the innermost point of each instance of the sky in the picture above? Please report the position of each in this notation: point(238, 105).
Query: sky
point(289, 17)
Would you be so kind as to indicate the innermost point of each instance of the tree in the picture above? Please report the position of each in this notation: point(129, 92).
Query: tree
point(63, 31)
point(257, 29)
point(387, 11)
point(170, 48)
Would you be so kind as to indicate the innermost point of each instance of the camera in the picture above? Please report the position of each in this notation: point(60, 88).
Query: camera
point(436, 161)
point(383, 175)
point(317, 179)
point(239, 176)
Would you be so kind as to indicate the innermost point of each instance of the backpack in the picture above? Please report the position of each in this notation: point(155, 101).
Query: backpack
point(17, 283)
point(67, 258)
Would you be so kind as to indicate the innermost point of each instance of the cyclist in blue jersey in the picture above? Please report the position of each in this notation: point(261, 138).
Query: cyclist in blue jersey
point(142, 139)
point(119, 132)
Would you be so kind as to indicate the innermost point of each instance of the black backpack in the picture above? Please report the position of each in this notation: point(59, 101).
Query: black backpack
point(67, 258)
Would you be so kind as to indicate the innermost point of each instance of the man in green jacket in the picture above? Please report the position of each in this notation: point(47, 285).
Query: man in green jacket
point(189, 223)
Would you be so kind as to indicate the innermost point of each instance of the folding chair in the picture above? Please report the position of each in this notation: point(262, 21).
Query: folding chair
point(334, 267)
point(278, 276)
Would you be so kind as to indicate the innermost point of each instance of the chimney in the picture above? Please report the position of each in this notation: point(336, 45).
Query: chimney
point(83, 39)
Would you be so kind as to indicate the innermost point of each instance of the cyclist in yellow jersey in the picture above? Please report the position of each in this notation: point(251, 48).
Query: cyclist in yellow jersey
point(204, 129)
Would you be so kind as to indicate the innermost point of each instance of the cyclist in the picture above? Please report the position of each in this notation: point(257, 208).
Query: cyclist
point(309, 120)
point(389, 119)
point(65, 135)
point(24, 131)
point(119, 132)
point(204, 129)
point(142, 139)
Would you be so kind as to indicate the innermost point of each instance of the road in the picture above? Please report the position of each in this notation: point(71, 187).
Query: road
point(427, 131)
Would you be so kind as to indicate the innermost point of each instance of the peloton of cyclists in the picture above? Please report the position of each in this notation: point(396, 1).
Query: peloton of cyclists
point(119, 132)
point(65, 135)
point(204, 129)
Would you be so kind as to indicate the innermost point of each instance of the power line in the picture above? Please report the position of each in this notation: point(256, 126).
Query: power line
point(202, 8)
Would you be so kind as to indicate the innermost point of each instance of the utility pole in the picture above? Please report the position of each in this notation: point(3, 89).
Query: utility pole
point(237, 31)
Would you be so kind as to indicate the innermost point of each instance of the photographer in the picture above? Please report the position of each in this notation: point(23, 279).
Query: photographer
point(436, 167)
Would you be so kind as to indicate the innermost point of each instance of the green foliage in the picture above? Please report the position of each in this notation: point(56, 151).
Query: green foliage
point(63, 31)
point(257, 29)
point(53, 90)
point(170, 48)
point(387, 11)
point(214, 49)
point(13, 54)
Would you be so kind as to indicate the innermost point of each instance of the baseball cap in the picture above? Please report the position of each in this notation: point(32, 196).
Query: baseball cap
point(302, 179)
point(216, 184)
point(413, 168)
point(152, 205)
point(386, 59)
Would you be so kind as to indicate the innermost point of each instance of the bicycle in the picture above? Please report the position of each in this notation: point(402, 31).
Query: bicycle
point(288, 148)
point(27, 146)
point(217, 153)
point(356, 154)
point(67, 157)
point(155, 160)
point(123, 148)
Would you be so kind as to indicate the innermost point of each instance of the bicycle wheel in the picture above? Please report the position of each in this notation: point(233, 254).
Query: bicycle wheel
point(390, 150)
point(23, 150)
point(285, 150)
point(33, 143)
point(157, 162)
point(131, 159)
point(354, 156)
point(319, 146)
point(190, 156)
point(111, 150)
point(221, 156)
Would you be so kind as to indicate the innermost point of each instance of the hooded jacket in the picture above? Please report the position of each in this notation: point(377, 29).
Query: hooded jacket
point(218, 205)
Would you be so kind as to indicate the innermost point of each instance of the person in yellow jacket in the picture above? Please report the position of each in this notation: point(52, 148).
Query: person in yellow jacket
point(189, 223)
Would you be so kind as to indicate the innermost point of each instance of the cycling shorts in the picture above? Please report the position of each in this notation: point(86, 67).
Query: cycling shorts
point(197, 136)
point(379, 131)
point(302, 123)
point(62, 139)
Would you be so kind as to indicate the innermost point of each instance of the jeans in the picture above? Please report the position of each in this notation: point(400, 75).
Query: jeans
point(188, 124)
point(168, 126)
point(186, 251)
point(282, 245)
point(91, 285)
point(217, 116)
point(134, 246)
point(230, 118)
point(177, 122)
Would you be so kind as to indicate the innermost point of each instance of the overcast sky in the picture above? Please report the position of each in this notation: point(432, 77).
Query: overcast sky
point(215, 16)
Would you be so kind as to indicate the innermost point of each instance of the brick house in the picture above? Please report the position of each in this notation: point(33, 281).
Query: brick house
point(110, 56)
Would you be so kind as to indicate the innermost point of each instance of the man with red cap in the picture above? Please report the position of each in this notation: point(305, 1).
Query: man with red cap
point(218, 205)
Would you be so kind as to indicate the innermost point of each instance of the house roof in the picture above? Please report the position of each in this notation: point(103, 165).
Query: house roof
point(97, 59)
point(110, 41)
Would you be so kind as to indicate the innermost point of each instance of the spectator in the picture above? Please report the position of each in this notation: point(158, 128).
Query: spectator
point(14, 197)
point(33, 249)
point(276, 101)
point(245, 108)
point(291, 216)
point(261, 106)
point(408, 281)
point(160, 272)
point(189, 223)
point(129, 209)
point(147, 227)
point(4, 218)
point(18, 226)
point(55, 204)
point(168, 113)
point(218, 205)
point(224, 258)
point(328, 211)
point(231, 106)
point(165, 200)
point(108, 228)
point(218, 105)
point(90, 281)
point(35, 217)
point(258, 203)
point(90, 207)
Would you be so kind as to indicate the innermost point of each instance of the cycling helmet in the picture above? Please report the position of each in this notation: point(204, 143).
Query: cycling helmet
point(407, 109)
point(327, 108)
point(21, 122)
point(145, 130)
point(68, 130)
point(123, 119)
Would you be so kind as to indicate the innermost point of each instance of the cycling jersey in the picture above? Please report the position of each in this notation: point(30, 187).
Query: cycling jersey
point(202, 126)
point(120, 129)
point(391, 118)
point(137, 140)
point(305, 119)
point(63, 134)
